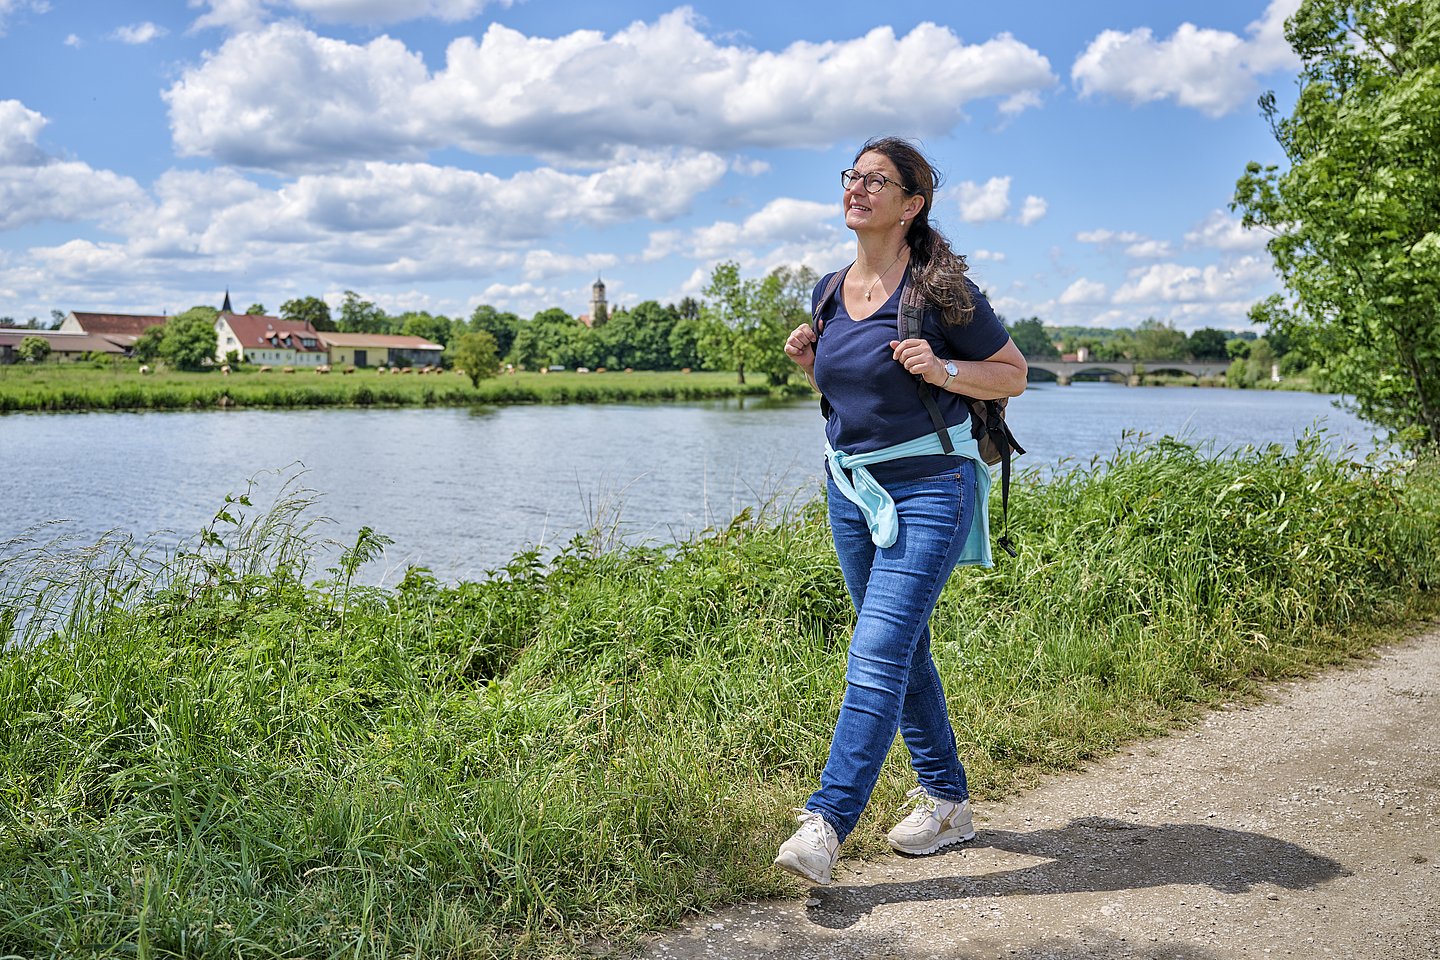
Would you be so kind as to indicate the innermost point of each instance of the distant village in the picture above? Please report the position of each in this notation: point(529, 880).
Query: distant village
point(239, 338)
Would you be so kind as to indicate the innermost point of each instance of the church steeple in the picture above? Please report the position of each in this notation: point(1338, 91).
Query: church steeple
point(225, 307)
point(599, 310)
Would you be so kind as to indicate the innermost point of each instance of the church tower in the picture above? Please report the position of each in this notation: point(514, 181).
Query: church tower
point(599, 312)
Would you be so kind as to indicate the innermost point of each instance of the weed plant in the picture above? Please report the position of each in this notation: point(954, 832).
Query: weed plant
point(213, 755)
point(74, 387)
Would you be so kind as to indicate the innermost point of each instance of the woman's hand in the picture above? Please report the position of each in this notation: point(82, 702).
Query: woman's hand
point(800, 347)
point(918, 358)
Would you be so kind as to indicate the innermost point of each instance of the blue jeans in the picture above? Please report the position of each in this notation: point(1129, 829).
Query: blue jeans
point(890, 679)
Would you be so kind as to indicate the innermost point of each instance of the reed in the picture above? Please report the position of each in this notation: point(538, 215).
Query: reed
point(215, 753)
point(76, 387)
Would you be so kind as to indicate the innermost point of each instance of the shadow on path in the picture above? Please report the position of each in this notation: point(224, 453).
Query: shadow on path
point(1095, 854)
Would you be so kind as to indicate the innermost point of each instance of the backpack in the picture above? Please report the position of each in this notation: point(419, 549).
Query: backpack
point(987, 417)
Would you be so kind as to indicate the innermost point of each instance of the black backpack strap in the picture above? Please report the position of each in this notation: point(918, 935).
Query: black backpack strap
point(907, 323)
point(817, 319)
point(999, 431)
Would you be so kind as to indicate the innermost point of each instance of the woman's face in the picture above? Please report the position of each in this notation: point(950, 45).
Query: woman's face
point(878, 211)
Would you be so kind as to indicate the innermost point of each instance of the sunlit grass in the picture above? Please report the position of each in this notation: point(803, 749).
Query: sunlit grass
point(120, 386)
point(210, 754)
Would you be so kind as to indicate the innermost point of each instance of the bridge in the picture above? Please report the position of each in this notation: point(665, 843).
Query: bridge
point(1134, 371)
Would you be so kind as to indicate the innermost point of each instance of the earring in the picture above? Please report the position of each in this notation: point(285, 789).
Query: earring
point(902, 223)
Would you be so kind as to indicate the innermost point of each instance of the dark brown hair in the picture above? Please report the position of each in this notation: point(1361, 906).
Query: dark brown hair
point(937, 271)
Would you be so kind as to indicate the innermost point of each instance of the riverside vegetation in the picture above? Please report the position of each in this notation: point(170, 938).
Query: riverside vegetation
point(208, 753)
point(120, 386)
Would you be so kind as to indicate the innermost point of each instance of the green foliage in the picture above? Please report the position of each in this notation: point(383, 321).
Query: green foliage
point(255, 310)
point(1030, 336)
point(639, 337)
point(363, 316)
point(33, 349)
point(55, 387)
point(551, 337)
point(744, 322)
point(207, 755)
point(1355, 215)
point(1207, 343)
point(422, 324)
point(475, 353)
point(188, 340)
point(311, 310)
point(1156, 340)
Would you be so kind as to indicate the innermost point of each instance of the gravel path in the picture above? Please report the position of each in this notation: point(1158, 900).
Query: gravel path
point(1306, 826)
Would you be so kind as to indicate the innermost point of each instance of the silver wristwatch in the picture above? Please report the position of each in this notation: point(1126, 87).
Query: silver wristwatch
point(950, 371)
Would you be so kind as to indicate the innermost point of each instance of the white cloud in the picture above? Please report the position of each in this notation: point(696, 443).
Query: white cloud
point(73, 40)
point(1085, 291)
point(1103, 236)
point(285, 98)
point(19, 134)
point(1213, 71)
point(1149, 249)
point(1033, 209)
point(1224, 232)
point(9, 8)
point(543, 264)
point(985, 255)
point(139, 33)
point(783, 221)
point(980, 203)
point(249, 14)
point(1175, 283)
point(35, 187)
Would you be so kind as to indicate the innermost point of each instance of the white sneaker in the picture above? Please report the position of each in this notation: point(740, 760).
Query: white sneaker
point(812, 850)
point(934, 823)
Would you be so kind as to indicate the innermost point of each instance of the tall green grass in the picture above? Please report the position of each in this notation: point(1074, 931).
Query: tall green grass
point(75, 387)
point(207, 753)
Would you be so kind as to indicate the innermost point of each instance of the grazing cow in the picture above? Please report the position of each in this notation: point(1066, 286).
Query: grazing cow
point(265, 369)
point(323, 368)
point(225, 370)
point(287, 369)
point(348, 370)
point(144, 369)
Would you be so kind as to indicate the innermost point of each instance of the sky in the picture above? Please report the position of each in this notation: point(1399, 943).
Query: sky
point(440, 154)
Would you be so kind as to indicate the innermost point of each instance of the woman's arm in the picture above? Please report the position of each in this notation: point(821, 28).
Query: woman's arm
point(1002, 374)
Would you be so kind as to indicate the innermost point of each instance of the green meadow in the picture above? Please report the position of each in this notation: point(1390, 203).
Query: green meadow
point(224, 751)
point(121, 386)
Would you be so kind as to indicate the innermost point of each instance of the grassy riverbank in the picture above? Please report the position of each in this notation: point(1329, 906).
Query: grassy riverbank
point(121, 386)
point(210, 758)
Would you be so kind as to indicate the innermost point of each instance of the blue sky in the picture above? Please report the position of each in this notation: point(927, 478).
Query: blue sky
point(438, 154)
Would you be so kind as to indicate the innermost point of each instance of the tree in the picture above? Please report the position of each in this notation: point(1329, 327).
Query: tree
point(476, 354)
point(551, 337)
point(744, 322)
point(189, 340)
point(362, 316)
point(1156, 340)
point(639, 337)
point(255, 310)
point(147, 345)
point(1207, 343)
point(1354, 216)
point(1033, 341)
point(500, 325)
point(311, 310)
point(33, 349)
point(422, 324)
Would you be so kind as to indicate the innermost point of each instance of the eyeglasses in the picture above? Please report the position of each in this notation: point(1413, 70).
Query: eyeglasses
point(874, 182)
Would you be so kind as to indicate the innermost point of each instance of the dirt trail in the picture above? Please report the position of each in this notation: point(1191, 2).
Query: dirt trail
point(1305, 826)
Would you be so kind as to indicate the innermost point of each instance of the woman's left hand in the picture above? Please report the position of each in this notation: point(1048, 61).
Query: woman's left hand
point(917, 358)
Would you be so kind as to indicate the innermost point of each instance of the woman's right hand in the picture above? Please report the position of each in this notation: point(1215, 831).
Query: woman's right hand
point(800, 347)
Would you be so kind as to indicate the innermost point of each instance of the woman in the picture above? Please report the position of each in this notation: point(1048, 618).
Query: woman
point(903, 513)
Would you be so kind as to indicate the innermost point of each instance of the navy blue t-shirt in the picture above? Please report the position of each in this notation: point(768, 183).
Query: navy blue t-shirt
point(873, 402)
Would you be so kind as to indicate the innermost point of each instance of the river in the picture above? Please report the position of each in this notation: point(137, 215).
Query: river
point(461, 491)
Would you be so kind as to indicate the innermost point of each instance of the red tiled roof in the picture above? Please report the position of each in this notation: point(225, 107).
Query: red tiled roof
point(124, 324)
point(389, 341)
point(256, 332)
point(59, 342)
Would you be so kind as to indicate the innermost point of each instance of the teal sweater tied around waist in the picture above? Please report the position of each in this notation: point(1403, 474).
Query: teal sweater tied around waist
point(875, 502)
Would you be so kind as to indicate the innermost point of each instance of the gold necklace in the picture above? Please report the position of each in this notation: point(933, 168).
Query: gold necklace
point(883, 272)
